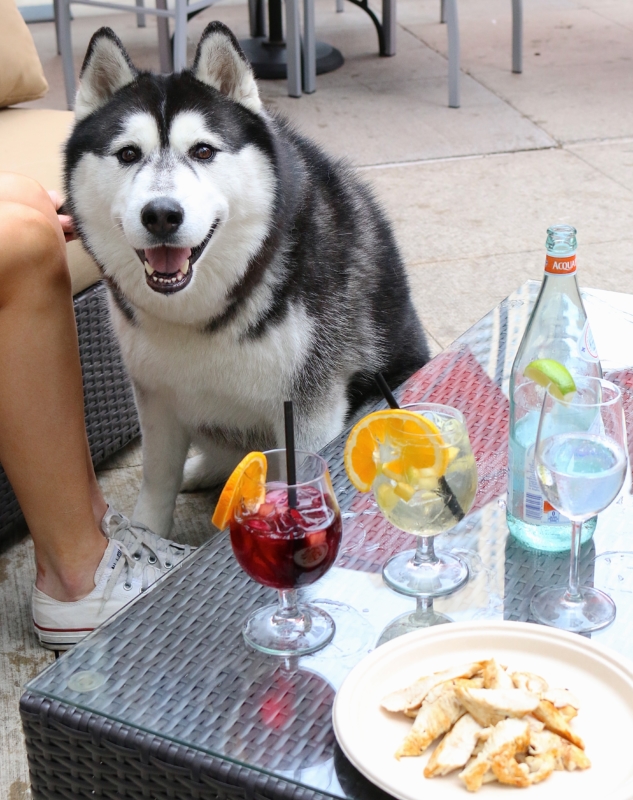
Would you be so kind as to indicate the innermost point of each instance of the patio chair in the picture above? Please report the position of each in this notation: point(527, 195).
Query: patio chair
point(448, 14)
point(180, 14)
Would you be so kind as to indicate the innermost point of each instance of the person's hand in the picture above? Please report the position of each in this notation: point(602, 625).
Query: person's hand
point(65, 220)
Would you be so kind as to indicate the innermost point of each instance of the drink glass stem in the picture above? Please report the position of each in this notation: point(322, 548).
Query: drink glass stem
point(423, 606)
point(425, 552)
point(573, 595)
point(287, 608)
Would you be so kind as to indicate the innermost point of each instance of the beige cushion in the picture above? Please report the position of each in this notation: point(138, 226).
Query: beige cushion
point(31, 143)
point(21, 74)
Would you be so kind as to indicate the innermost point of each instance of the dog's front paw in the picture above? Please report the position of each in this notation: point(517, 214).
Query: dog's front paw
point(157, 519)
point(198, 475)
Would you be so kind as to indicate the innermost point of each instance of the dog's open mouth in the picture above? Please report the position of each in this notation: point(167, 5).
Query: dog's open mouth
point(169, 269)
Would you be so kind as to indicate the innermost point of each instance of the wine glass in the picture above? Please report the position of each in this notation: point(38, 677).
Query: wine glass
point(580, 458)
point(289, 539)
point(425, 483)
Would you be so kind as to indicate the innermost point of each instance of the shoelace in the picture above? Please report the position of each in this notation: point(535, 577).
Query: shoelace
point(136, 536)
point(129, 564)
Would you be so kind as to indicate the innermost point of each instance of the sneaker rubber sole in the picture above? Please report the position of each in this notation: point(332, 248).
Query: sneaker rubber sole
point(59, 638)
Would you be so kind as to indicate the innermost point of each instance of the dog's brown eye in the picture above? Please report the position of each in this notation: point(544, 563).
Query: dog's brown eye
point(128, 155)
point(202, 152)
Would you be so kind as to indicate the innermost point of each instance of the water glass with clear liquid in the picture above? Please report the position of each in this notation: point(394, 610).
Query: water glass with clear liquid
point(581, 462)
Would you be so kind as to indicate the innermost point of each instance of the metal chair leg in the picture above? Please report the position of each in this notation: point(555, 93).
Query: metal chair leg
point(517, 36)
point(309, 48)
point(56, 17)
point(140, 18)
point(293, 48)
point(257, 18)
point(452, 25)
point(340, 6)
point(66, 48)
point(164, 43)
point(389, 27)
point(442, 11)
point(180, 36)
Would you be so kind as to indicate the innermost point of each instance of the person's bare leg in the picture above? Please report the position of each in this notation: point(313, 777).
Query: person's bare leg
point(43, 444)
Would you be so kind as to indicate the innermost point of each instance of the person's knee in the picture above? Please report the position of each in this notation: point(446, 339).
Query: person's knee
point(33, 255)
point(26, 191)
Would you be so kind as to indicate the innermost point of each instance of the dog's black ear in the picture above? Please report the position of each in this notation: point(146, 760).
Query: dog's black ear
point(220, 63)
point(106, 69)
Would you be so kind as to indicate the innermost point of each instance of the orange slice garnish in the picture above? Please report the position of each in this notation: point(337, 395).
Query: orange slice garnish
point(252, 492)
point(416, 438)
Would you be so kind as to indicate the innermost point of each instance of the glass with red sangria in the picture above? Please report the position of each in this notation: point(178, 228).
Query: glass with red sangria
point(286, 537)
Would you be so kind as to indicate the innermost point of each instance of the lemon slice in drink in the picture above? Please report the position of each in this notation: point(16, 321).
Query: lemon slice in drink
point(547, 372)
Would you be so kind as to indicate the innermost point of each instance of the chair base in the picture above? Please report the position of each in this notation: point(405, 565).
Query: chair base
point(269, 60)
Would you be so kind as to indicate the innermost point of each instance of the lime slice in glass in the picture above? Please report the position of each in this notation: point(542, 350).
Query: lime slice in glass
point(547, 372)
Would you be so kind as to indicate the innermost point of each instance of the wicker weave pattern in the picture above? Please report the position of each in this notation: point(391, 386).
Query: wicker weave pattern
point(110, 411)
point(132, 766)
point(109, 408)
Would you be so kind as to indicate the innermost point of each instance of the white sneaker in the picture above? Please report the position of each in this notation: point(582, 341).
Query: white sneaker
point(118, 580)
point(141, 541)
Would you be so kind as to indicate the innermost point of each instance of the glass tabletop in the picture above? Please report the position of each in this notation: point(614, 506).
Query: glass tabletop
point(174, 664)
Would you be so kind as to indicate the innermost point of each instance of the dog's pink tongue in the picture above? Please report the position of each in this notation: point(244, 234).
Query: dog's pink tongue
point(167, 259)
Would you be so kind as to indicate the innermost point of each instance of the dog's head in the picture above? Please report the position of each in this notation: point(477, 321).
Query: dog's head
point(170, 178)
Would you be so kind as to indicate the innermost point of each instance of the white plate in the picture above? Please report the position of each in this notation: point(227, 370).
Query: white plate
point(601, 680)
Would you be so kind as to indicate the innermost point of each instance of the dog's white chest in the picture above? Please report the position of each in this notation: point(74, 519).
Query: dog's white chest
point(221, 378)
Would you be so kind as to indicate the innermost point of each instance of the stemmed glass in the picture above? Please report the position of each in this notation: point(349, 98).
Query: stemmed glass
point(425, 483)
point(580, 458)
point(289, 539)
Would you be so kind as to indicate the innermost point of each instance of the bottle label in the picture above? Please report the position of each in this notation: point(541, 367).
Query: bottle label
point(555, 265)
point(587, 345)
point(536, 509)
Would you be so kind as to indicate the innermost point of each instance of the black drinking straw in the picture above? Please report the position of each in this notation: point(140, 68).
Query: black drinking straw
point(445, 490)
point(386, 391)
point(291, 467)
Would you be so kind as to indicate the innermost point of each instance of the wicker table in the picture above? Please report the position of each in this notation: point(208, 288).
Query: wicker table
point(166, 701)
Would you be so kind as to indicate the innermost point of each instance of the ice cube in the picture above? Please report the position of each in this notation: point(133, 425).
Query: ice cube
point(260, 525)
point(450, 426)
point(266, 509)
point(278, 497)
point(308, 497)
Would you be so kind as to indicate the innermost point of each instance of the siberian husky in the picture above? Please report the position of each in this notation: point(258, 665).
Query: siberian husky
point(244, 266)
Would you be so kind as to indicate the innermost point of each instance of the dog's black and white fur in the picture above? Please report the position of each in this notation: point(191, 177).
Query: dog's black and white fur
point(245, 267)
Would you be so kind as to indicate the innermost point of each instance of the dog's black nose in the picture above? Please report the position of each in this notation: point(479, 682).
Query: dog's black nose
point(162, 216)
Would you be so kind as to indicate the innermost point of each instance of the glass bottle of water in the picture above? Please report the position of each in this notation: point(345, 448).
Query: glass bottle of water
point(557, 329)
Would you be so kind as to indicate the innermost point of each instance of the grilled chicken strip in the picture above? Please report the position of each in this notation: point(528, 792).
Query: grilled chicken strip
point(437, 715)
point(546, 750)
point(495, 676)
point(455, 748)
point(561, 698)
point(411, 697)
point(548, 747)
point(529, 682)
point(573, 757)
point(556, 722)
point(509, 737)
point(489, 706)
